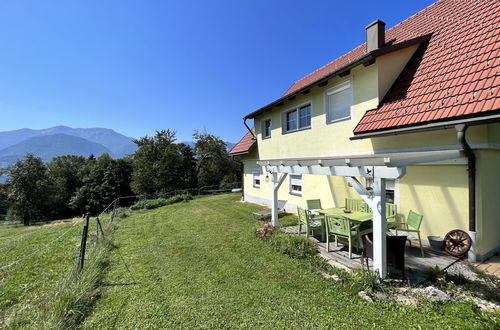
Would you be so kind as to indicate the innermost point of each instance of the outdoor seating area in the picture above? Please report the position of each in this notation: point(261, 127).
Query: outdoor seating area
point(350, 227)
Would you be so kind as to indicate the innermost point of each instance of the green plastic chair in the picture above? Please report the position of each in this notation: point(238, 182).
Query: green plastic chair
point(314, 204)
point(306, 220)
point(391, 215)
point(341, 227)
point(412, 225)
point(354, 204)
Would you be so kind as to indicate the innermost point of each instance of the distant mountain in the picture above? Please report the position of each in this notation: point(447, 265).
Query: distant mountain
point(119, 145)
point(50, 146)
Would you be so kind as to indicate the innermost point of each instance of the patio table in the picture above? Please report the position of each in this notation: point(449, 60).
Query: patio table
point(354, 216)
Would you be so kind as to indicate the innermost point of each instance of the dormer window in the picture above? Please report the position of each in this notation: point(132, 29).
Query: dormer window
point(338, 102)
point(297, 119)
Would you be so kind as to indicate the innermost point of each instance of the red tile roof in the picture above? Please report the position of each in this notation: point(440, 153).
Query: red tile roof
point(455, 74)
point(244, 145)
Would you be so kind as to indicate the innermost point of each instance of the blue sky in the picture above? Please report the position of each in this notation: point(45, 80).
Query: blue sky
point(141, 66)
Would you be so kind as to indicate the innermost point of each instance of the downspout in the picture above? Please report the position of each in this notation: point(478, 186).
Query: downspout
point(471, 164)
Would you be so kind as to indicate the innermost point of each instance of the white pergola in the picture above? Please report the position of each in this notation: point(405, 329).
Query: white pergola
point(377, 168)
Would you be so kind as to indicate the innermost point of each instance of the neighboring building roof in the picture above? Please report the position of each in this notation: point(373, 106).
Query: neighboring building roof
point(456, 75)
point(244, 145)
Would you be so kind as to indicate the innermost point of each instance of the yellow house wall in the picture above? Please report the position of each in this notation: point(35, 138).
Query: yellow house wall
point(390, 66)
point(439, 193)
point(487, 200)
point(321, 138)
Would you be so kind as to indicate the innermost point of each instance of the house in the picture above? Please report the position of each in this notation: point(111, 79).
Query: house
point(411, 116)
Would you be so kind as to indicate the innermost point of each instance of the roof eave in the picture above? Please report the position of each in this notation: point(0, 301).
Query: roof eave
point(368, 57)
point(432, 126)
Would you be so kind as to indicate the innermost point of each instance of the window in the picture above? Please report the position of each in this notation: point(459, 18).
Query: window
point(296, 184)
point(297, 119)
point(256, 178)
point(266, 128)
point(338, 101)
point(291, 121)
point(390, 188)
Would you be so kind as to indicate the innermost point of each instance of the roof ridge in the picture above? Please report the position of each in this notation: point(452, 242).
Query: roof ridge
point(364, 44)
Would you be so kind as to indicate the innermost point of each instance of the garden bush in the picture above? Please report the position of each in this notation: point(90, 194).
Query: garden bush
point(295, 246)
point(159, 202)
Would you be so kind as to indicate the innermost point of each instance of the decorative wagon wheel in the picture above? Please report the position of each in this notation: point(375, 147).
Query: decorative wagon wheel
point(457, 243)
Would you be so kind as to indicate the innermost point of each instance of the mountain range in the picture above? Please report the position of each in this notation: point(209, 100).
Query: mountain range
point(62, 140)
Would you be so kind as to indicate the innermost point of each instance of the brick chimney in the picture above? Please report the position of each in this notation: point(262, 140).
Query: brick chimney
point(375, 35)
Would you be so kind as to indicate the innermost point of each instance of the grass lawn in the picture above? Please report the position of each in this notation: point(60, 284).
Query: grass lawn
point(199, 265)
point(35, 275)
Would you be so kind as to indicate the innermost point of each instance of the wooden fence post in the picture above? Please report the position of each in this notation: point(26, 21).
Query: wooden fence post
point(114, 211)
point(83, 243)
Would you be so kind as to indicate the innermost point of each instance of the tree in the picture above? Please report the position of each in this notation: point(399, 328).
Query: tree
point(161, 165)
point(28, 187)
point(66, 177)
point(104, 179)
point(212, 159)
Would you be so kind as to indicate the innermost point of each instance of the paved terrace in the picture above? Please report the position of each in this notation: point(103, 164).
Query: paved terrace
point(415, 265)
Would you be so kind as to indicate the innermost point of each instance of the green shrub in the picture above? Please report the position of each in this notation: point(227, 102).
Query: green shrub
point(159, 202)
point(266, 230)
point(122, 212)
point(295, 246)
point(365, 280)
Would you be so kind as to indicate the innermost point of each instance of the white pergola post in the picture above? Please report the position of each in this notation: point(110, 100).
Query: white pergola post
point(376, 201)
point(379, 228)
point(274, 200)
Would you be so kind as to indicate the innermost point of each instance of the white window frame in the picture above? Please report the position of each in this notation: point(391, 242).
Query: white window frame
point(264, 136)
point(295, 109)
point(293, 191)
point(255, 177)
point(337, 88)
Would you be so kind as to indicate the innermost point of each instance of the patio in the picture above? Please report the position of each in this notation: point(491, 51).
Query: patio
point(415, 265)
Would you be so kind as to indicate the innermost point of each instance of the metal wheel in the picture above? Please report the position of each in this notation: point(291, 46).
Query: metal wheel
point(457, 243)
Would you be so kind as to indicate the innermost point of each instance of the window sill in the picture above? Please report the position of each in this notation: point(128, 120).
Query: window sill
point(293, 193)
point(266, 137)
point(338, 120)
point(297, 130)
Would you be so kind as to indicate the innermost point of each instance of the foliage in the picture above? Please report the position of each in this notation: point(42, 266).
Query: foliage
point(365, 280)
point(161, 165)
point(159, 202)
point(104, 179)
point(65, 173)
point(213, 163)
point(294, 246)
point(27, 282)
point(266, 230)
point(437, 275)
point(28, 187)
point(72, 296)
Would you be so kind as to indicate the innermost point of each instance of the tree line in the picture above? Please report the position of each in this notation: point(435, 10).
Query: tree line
point(72, 185)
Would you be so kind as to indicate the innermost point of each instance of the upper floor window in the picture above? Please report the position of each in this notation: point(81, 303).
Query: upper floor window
point(266, 128)
point(338, 101)
point(297, 119)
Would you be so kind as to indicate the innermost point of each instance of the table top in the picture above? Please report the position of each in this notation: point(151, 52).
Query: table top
point(357, 216)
